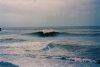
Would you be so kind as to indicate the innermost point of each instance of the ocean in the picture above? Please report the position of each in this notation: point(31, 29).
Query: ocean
point(71, 46)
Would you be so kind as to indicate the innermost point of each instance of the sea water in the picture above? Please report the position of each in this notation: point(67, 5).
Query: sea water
point(50, 47)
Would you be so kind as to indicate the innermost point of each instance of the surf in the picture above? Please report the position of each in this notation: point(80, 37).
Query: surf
point(55, 33)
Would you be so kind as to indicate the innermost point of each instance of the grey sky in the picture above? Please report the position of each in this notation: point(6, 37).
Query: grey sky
point(49, 12)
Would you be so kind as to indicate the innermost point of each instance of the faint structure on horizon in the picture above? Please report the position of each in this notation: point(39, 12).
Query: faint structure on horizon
point(0, 29)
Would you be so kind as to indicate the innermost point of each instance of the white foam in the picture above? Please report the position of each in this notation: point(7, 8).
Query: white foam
point(27, 45)
point(20, 47)
point(25, 61)
point(47, 31)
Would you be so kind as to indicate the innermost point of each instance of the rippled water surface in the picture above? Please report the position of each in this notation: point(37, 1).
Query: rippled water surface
point(50, 47)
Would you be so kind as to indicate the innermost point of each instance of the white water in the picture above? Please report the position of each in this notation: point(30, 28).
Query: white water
point(25, 50)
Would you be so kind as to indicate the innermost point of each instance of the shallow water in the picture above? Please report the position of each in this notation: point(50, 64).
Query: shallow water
point(71, 47)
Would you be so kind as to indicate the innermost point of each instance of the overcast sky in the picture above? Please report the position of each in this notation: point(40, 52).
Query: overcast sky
point(27, 13)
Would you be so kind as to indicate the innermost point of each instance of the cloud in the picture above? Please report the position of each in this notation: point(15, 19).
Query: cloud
point(47, 12)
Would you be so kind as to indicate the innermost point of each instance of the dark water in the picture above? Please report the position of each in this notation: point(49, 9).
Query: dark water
point(50, 47)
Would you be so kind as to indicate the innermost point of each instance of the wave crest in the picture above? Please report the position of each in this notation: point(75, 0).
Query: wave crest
point(46, 33)
point(53, 33)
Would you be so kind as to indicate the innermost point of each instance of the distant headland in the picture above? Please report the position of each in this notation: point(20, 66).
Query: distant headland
point(0, 29)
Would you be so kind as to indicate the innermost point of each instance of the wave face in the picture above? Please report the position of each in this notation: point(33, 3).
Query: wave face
point(7, 64)
point(80, 49)
point(55, 33)
point(46, 34)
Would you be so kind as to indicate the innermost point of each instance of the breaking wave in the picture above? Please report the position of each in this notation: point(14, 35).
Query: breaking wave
point(51, 50)
point(53, 33)
point(46, 33)
point(65, 53)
